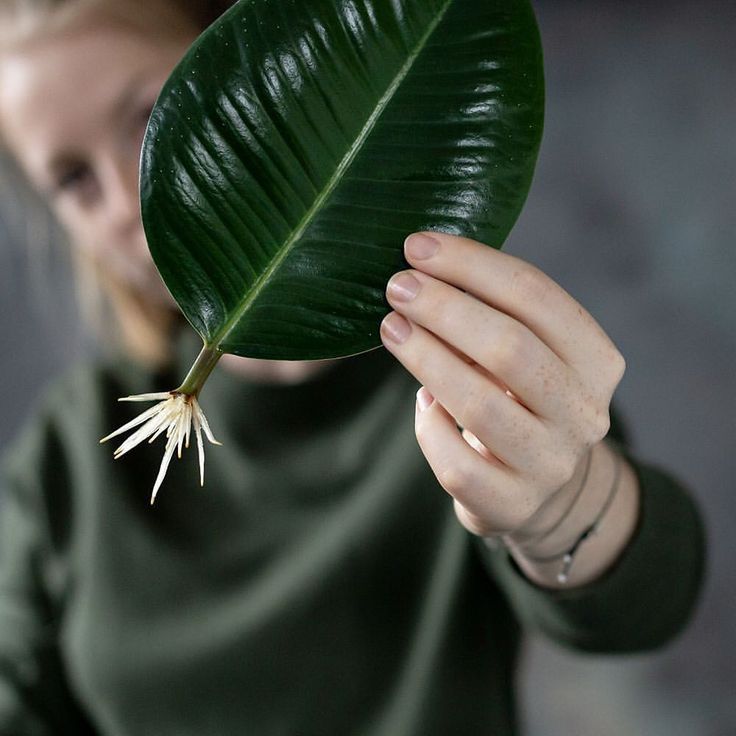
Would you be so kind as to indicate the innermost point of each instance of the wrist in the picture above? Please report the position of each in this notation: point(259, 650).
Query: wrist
point(588, 539)
point(556, 519)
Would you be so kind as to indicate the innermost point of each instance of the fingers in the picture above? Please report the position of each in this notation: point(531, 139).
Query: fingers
point(522, 291)
point(510, 357)
point(484, 487)
point(512, 433)
point(501, 345)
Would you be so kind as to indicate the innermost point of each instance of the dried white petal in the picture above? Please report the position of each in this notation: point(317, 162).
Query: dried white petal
point(156, 424)
point(163, 428)
point(200, 446)
point(134, 423)
point(174, 415)
point(147, 397)
point(170, 445)
point(180, 432)
point(188, 424)
point(206, 426)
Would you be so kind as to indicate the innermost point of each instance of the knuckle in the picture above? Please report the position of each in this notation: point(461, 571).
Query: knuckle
point(618, 366)
point(529, 283)
point(453, 478)
point(612, 368)
point(588, 421)
point(508, 349)
point(600, 426)
point(594, 426)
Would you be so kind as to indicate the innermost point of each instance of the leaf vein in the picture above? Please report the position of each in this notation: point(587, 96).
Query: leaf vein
point(342, 167)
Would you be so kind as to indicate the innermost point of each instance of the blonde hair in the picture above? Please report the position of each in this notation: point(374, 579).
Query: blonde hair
point(21, 19)
point(144, 330)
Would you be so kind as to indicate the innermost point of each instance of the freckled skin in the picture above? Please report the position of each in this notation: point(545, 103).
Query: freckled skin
point(507, 354)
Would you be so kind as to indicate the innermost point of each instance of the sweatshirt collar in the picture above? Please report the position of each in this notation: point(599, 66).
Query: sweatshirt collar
point(248, 406)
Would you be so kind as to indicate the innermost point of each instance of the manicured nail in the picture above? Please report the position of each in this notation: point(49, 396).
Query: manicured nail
point(424, 399)
point(395, 328)
point(403, 287)
point(421, 246)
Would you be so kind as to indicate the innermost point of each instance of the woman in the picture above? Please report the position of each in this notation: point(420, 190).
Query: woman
point(321, 583)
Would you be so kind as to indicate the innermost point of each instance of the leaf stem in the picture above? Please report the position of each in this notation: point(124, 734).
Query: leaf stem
point(200, 371)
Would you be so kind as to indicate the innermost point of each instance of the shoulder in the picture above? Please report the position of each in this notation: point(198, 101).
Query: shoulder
point(67, 421)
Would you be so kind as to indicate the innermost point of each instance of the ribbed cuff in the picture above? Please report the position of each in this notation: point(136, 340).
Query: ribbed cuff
point(643, 600)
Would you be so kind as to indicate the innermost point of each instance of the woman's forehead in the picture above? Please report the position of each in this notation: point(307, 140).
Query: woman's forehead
point(92, 51)
point(65, 88)
point(21, 22)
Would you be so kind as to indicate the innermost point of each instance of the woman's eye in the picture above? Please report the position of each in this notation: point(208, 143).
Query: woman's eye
point(77, 181)
point(71, 177)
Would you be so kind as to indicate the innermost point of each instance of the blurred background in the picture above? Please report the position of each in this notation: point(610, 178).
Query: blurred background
point(633, 211)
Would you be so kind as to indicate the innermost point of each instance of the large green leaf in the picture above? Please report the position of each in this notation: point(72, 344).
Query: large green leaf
point(300, 141)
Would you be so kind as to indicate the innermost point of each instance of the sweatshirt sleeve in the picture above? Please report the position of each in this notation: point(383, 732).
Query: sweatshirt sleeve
point(35, 699)
point(644, 599)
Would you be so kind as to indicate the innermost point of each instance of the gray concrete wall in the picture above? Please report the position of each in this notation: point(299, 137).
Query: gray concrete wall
point(40, 332)
point(633, 210)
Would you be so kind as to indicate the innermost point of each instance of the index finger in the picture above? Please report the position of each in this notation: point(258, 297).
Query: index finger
point(518, 289)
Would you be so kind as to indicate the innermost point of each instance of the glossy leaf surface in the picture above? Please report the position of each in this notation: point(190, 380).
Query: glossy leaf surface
point(300, 141)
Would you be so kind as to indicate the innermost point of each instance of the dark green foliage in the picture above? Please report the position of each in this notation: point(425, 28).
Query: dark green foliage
point(300, 141)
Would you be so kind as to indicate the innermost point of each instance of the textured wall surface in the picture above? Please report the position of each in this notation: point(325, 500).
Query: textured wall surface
point(39, 330)
point(633, 211)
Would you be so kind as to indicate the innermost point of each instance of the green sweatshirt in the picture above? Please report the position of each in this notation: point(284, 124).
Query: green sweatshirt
point(318, 585)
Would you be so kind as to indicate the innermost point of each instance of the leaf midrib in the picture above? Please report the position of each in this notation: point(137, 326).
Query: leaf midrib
point(259, 284)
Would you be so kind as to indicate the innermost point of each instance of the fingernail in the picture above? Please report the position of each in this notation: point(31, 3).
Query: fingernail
point(421, 246)
point(395, 328)
point(424, 399)
point(403, 287)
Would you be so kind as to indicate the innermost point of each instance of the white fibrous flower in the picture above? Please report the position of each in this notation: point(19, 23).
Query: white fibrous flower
point(174, 415)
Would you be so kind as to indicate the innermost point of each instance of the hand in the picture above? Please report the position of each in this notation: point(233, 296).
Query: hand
point(509, 356)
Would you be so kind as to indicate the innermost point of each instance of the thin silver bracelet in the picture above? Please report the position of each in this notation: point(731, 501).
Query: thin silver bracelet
point(568, 555)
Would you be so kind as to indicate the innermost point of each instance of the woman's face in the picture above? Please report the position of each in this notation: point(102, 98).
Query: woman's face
point(73, 109)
